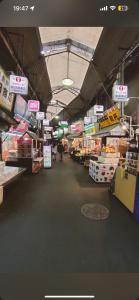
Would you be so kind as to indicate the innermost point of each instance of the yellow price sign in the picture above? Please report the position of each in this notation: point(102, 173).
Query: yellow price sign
point(110, 117)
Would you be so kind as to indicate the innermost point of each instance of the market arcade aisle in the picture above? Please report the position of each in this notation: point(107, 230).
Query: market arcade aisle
point(42, 229)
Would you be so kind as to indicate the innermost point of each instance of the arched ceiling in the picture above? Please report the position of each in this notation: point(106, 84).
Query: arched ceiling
point(57, 42)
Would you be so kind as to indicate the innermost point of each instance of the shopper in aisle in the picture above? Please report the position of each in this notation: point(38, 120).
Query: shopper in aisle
point(60, 150)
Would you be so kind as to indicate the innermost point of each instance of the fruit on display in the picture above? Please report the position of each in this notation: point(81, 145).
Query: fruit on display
point(109, 149)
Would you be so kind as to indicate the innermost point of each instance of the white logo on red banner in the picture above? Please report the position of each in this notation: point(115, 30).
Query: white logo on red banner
point(18, 85)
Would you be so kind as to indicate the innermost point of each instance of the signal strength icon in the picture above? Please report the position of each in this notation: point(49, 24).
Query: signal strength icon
point(112, 7)
point(105, 8)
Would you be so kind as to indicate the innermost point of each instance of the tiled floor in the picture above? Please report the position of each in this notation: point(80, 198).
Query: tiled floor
point(42, 229)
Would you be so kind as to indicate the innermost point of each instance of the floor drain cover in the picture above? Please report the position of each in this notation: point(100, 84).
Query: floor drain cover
point(95, 211)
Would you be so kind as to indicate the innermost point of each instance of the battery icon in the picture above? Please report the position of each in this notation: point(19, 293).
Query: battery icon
point(122, 8)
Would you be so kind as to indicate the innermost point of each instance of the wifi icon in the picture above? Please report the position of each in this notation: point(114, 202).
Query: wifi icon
point(112, 7)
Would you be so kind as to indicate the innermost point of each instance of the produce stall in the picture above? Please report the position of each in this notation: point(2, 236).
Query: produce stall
point(114, 146)
point(85, 148)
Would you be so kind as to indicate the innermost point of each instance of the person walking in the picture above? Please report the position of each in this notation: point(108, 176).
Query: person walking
point(60, 150)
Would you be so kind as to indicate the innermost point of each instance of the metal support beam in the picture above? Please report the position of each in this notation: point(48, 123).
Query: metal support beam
point(80, 56)
point(15, 59)
point(53, 54)
point(60, 52)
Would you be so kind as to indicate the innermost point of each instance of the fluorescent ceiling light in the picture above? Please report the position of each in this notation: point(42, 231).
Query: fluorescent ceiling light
point(67, 81)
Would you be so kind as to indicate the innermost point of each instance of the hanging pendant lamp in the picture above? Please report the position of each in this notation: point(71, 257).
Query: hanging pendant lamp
point(67, 81)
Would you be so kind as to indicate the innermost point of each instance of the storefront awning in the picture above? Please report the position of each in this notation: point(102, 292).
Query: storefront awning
point(32, 135)
point(114, 130)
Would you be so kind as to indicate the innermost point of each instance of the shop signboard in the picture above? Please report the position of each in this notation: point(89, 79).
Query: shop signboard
point(89, 129)
point(22, 127)
point(6, 98)
point(48, 136)
point(47, 156)
point(40, 115)
point(48, 128)
point(90, 120)
point(120, 93)
point(94, 119)
point(98, 110)
point(63, 124)
point(33, 105)
point(46, 122)
point(87, 120)
point(20, 106)
point(18, 85)
point(110, 117)
point(76, 127)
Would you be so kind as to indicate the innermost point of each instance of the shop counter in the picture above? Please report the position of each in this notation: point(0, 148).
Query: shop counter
point(32, 165)
point(125, 188)
point(8, 176)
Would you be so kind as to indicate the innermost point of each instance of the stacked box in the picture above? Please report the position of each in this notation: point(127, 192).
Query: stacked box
point(102, 172)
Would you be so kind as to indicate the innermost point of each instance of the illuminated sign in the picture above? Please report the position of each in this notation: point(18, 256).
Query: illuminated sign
point(47, 156)
point(98, 110)
point(40, 115)
point(18, 85)
point(120, 93)
point(33, 105)
point(46, 122)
